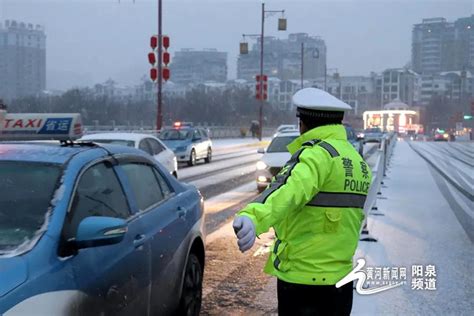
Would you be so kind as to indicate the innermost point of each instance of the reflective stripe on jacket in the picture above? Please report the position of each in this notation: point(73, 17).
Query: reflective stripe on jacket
point(315, 207)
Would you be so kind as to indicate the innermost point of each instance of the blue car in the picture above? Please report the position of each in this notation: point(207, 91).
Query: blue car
point(88, 229)
point(188, 143)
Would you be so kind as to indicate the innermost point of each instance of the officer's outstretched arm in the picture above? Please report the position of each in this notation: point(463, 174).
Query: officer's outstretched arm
point(298, 182)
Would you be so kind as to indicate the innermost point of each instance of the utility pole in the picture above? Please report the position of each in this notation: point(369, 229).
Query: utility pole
point(261, 95)
point(302, 65)
point(159, 117)
point(262, 100)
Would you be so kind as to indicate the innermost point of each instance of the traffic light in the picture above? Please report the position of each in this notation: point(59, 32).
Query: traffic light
point(244, 48)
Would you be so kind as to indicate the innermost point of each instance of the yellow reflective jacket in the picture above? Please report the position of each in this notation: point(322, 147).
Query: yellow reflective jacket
point(315, 205)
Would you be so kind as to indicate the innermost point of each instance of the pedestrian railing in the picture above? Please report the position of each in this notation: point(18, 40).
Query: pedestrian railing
point(379, 171)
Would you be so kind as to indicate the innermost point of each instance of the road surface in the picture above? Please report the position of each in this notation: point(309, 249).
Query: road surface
point(424, 217)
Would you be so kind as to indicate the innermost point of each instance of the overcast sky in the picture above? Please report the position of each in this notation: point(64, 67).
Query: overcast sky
point(89, 41)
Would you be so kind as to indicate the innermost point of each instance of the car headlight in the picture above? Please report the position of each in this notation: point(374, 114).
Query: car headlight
point(261, 165)
point(262, 179)
point(445, 135)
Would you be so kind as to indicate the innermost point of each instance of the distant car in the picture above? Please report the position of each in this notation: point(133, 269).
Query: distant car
point(274, 158)
point(441, 136)
point(373, 134)
point(147, 143)
point(356, 141)
point(91, 229)
point(189, 144)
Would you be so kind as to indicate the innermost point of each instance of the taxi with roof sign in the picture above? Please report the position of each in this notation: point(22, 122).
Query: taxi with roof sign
point(89, 229)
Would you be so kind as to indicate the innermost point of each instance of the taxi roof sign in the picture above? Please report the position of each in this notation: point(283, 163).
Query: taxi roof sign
point(40, 126)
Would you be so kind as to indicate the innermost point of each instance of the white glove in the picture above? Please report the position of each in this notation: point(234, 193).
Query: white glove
point(245, 231)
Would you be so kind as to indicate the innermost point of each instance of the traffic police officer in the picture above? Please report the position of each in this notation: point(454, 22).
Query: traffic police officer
point(315, 205)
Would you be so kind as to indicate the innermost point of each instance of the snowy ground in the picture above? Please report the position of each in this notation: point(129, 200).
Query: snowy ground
point(420, 227)
point(417, 223)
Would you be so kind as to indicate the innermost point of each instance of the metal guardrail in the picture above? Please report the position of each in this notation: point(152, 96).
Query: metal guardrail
point(215, 131)
point(378, 173)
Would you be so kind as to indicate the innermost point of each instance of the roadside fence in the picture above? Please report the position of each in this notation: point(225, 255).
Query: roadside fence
point(379, 171)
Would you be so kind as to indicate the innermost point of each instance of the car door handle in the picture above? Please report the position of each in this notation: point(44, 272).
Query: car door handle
point(182, 212)
point(139, 240)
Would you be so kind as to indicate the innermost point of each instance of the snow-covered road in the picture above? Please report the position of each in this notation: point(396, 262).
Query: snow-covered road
point(422, 219)
point(418, 224)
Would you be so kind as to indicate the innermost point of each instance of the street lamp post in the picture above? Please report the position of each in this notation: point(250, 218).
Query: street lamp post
point(262, 99)
point(281, 27)
point(159, 116)
point(302, 65)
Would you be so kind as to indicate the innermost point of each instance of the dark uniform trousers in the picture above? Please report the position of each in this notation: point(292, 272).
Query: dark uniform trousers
point(298, 299)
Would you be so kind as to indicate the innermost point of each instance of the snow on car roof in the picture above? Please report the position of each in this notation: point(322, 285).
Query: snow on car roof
point(39, 152)
point(118, 136)
point(288, 133)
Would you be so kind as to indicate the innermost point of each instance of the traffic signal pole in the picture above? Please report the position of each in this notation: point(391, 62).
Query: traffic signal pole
point(159, 116)
point(262, 100)
point(261, 80)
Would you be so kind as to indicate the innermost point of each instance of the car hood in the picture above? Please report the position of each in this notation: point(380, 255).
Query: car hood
point(173, 144)
point(13, 272)
point(276, 159)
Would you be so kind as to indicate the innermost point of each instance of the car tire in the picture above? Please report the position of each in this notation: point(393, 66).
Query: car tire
point(209, 155)
point(191, 294)
point(192, 158)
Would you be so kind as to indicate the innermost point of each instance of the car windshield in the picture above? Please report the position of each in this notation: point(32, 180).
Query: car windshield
point(278, 144)
point(373, 130)
point(122, 142)
point(176, 134)
point(26, 190)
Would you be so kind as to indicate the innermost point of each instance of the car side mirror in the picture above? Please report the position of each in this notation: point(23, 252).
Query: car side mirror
point(96, 231)
point(261, 151)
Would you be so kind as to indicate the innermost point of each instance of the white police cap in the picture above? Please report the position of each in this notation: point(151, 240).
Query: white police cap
point(314, 99)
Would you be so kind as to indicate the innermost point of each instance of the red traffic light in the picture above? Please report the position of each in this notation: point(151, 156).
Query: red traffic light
point(154, 42)
point(165, 41)
point(166, 73)
point(153, 74)
point(152, 58)
point(166, 58)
